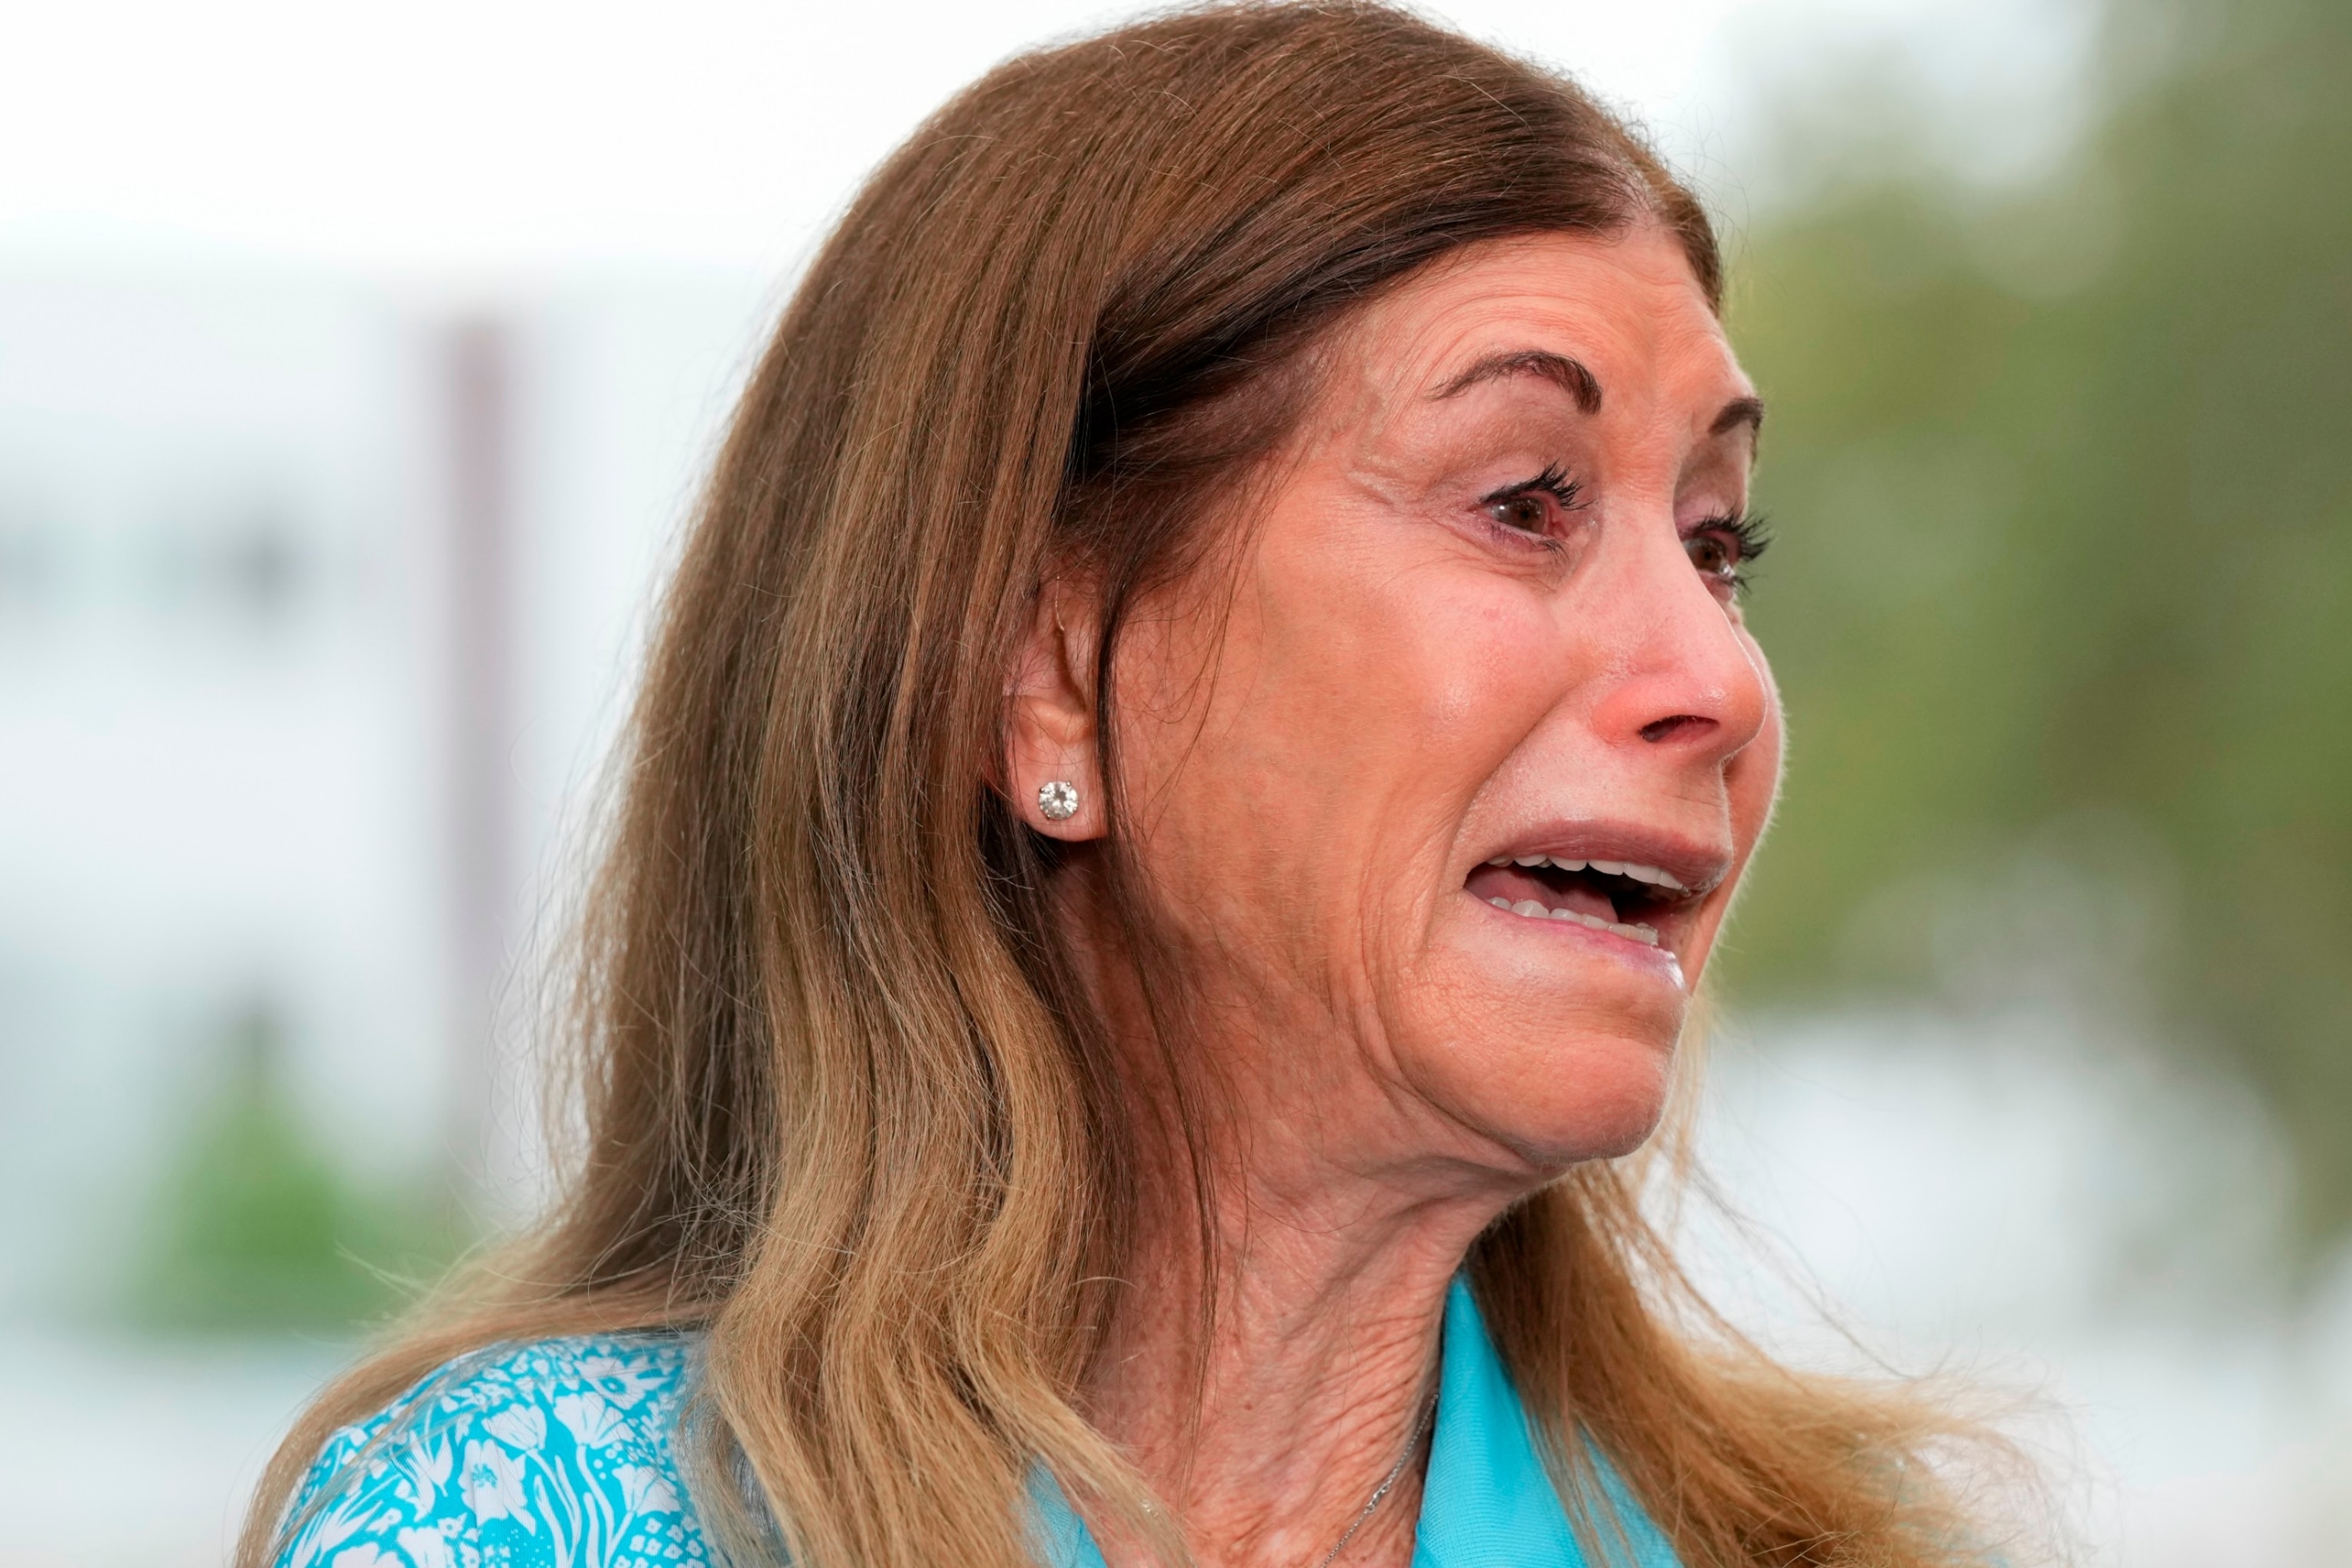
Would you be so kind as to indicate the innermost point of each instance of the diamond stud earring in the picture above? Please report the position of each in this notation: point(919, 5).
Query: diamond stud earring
point(1058, 800)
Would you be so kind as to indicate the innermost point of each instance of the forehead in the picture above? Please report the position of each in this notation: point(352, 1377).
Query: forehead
point(1625, 306)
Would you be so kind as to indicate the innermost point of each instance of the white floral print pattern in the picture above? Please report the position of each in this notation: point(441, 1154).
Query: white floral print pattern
point(550, 1454)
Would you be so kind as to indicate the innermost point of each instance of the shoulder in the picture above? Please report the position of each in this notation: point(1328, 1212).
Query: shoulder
point(554, 1452)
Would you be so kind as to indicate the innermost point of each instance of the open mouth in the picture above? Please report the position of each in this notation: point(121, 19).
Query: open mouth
point(1619, 897)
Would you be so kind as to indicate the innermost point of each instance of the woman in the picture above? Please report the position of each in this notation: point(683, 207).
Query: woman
point(1199, 746)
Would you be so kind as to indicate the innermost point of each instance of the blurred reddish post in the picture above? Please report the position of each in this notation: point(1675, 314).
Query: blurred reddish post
point(478, 366)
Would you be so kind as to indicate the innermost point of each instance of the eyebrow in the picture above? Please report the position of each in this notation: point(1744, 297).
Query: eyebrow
point(1748, 411)
point(1562, 371)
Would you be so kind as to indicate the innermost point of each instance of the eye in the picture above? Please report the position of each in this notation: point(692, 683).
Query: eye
point(1721, 548)
point(1527, 511)
point(1713, 554)
point(1536, 506)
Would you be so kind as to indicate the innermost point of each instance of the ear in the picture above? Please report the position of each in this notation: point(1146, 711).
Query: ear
point(1053, 738)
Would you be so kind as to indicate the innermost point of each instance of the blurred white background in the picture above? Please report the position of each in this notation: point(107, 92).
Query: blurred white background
point(358, 364)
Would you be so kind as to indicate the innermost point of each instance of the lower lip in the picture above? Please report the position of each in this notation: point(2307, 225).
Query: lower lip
point(1659, 960)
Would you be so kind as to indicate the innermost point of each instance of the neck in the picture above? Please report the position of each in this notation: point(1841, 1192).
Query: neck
point(1323, 1308)
point(1271, 1356)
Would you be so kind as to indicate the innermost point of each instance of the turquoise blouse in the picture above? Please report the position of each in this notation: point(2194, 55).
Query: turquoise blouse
point(559, 1454)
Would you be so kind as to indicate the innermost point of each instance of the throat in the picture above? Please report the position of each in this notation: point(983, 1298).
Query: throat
point(1270, 1448)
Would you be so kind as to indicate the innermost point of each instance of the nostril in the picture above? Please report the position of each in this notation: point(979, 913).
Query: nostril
point(1679, 724)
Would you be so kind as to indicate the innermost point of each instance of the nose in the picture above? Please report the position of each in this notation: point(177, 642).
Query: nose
point(1685, 681)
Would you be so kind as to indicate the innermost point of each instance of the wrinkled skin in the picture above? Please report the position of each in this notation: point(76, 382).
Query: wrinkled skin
point(1423, 652)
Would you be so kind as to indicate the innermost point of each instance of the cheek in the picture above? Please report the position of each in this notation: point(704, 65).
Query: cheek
point(1752, 786)
point(1307, 787)
point(1754, 781)
point(1384, 700)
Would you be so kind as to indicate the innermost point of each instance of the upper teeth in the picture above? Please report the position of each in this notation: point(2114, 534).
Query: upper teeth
point(1649, 874)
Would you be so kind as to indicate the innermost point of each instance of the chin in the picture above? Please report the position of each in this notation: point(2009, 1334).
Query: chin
point(1554, 1041)
point(1557, 1099)
point(1609, 1098)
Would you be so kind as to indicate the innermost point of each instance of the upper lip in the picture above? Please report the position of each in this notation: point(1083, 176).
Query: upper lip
point(1699, 867)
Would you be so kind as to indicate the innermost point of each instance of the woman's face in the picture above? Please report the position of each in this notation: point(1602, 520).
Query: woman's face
point(1447, 808)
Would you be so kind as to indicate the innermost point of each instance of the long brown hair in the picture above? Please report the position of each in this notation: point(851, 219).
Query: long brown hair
point(846, 1108)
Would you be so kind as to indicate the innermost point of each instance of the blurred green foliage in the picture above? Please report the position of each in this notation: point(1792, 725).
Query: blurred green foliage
point(257, 1228)
point(2063, 481)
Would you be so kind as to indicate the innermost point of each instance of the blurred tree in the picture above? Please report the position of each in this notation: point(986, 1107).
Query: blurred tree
point(258, 1228)
point(2065, 568)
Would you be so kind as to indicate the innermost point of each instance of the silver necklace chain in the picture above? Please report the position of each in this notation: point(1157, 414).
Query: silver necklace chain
point(1388, 1483)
